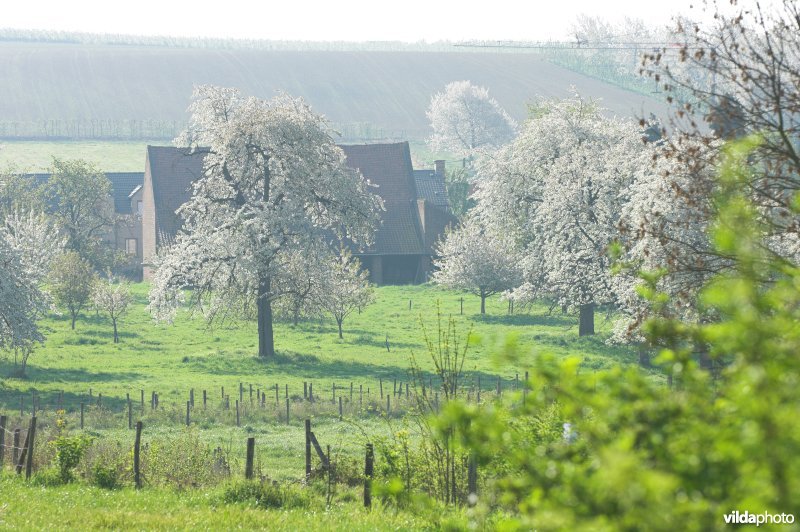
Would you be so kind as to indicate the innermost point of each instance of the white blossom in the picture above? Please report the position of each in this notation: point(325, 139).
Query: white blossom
point(273, 181)
point(465, 120)
point(559, 190)
point(478, 260)
point(28, 245)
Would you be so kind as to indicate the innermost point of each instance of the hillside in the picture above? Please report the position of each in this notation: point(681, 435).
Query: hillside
point(103, 90)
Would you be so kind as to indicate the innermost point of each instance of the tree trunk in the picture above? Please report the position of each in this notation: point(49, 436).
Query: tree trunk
point(644, 356)
point(586, 320)
point(266, 342)
point(483, 303)
point(74, 315)
point(116, 336)
point(339, 323)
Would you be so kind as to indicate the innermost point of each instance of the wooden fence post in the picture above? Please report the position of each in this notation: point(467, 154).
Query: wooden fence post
point(305, 390)
point(237, 414)
point(472, 479)
point(251, 395)
point(340, 408)
point(15, 448)
point(2, 440)
point(368, 467)
point(308, 449)
point(188, 406)
point(137, 476)
point(287, 410)
point(251, 450)
point(130, 414)
point(311, 391)
point(351, 392)
point(191, 397)
point(333, 397)
point(241, 392)
point(204, 399)
point(277, 397)
point(388, 405)
point(380, 383)
point(142, 399)
point(31, 438)
point(81, 416)
point(23, 452)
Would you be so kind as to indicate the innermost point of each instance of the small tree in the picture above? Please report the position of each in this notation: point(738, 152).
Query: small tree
point(112, 298)
point(478, 261)
point(345, 289)
point(71, 283)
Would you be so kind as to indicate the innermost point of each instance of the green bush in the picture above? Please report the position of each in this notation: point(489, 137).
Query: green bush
point(266, 495)
point(105, 476)
point(69, 451)
point(621, 451)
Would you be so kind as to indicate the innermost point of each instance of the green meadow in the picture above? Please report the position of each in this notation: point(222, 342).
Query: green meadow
point(84, 367)
point(171, 359)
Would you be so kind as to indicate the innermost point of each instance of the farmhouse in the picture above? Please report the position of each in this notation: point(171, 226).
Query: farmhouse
point(416, 215)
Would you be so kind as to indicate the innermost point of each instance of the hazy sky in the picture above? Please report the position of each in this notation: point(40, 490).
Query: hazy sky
point(351, 20)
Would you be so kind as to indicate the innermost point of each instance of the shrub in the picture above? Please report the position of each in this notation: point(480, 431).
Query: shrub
point(106, 476)
point(69, 451)
point(266, 495)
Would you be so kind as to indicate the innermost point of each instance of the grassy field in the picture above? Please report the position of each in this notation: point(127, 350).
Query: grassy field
point(171, 360)
point(109, 156)
point(122, 156)
point(78, 507)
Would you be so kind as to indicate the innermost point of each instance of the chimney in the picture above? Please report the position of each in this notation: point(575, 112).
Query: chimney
point(439, 168)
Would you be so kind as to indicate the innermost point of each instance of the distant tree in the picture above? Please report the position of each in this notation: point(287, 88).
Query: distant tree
point(71, 282)
point(475, 259)
point(559, 190)
point(19, 192)
point(28, 245)
point(78, 198)
point(465, 120)
point(345, 288)
point(113, 298)
point(273, 180)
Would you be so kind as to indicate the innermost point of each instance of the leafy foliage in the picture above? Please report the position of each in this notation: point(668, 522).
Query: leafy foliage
point(78, 199)
point(71, 281)
point(634, 453)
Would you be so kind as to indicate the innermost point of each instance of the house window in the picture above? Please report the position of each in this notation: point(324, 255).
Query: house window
point(139, 207)
point(131, 246)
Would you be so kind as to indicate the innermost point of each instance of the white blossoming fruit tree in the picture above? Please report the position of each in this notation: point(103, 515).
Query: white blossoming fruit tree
point(273, 180)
